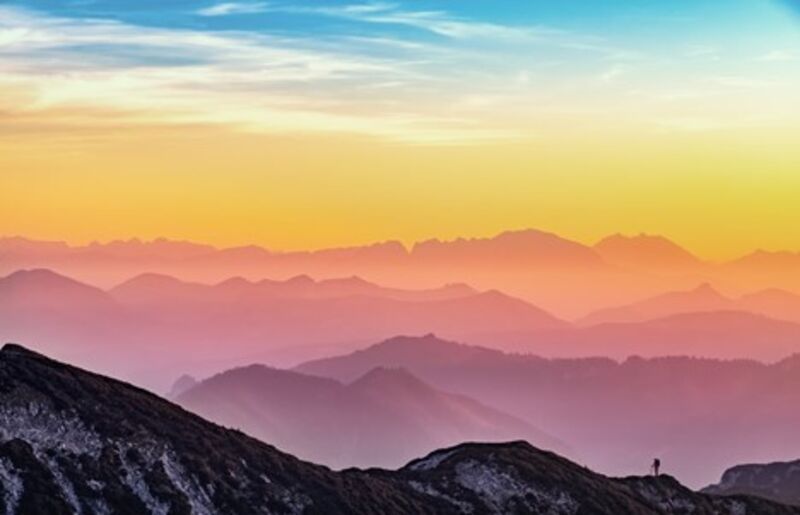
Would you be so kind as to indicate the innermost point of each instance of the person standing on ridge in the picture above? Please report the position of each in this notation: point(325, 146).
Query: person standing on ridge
point(656, 466)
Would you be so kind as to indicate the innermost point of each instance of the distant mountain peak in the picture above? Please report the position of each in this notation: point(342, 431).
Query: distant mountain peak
point(644, 250)
point(183, 384)
point(641, 240)
point(353, 280)
point(519, 246)
point(703, 292)
point(236, 281)
point(706, 288)
point(702, 298)
point(302, 279)
point(151, 279)
point(463, 287)
point(44, 287)
point(41, 279)
point(406, 340)
point(382, 377)
point(767, 258)
point(37, 274)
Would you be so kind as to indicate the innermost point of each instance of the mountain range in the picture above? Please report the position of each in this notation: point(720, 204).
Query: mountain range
point(565, 277)
point(384, 418)
point(700, 416)
point(121, 331)
point(279, 322)
point(76, 442)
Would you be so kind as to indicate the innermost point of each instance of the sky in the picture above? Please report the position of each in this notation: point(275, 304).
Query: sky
point(308, 124)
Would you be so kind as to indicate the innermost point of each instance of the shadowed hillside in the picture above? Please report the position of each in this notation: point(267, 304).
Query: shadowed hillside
point(75, 442)
point(700, 416)
point(384, 418)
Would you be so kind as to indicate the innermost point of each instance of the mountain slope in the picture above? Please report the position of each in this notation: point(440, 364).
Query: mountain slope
point(727, 334)
point(155, 327)
point(637, 407)
point(704, 298)
point(426, 354)
point(778, 481)
point(707, 334)
point(775, 303)
point(647, 252)
point(515, 478)
point(40, 288)
point(71, 441)
point(68, 318)
point(76, 442)
point(385, 418)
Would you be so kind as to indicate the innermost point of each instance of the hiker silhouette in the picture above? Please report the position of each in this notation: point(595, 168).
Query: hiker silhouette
point(656, 466)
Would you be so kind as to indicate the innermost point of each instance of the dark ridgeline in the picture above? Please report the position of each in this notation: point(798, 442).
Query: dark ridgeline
point(779, 481)
point(72, 441)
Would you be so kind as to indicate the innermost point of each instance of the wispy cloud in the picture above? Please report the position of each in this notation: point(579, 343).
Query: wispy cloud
point(779, 56)
point(453, 80)
point(437, 22)
point(251, 81)
point(230, 8)
point(445, 24)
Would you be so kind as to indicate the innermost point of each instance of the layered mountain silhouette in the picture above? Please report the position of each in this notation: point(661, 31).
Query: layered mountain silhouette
point(182, 384)
point(31, 289)
point(704, 298)
point(75, 442)
point(287, 322)
point(561, 275)
point(525, 247)
point(69, 319)
point(161, 326)
point(566, 277)
point(712, 334)
point(699, 415)
point(647, 252)
point(775, 303)
point(384, 418)
point(779, 481)
point(158, 288)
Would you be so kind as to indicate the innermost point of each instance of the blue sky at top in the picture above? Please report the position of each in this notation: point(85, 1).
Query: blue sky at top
point(636, 17)
point(424, 62)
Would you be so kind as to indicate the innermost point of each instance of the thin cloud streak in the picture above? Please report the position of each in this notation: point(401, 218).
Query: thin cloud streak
point(238, 79)
point(231, 8)
point(442, 23)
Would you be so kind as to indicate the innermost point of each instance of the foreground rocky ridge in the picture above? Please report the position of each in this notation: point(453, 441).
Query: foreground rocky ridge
point(76, 442)
point(778, 481)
